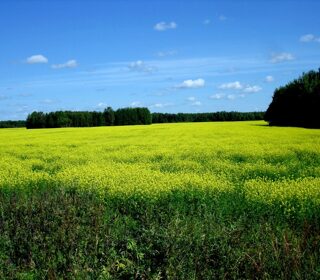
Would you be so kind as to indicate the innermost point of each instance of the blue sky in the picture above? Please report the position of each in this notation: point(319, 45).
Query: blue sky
point(170, 56)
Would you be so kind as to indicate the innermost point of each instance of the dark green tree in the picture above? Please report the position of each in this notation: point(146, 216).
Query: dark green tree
point(297, 103)
point(36, 120)
point(109, 116)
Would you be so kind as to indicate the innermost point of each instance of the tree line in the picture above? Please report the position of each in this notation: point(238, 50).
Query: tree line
point(297, 103)
point(122, 116)
point(12, 124)
point(206, 117)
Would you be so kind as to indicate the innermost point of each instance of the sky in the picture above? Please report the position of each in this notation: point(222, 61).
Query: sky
point(170, 56)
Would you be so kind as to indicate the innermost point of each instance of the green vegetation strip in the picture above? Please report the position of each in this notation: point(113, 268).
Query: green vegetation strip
point(172, 201)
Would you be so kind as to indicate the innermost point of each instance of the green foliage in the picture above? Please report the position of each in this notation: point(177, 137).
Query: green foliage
point(132, 116)
point(206, 117)
point(12, 124)
point(168, 201)
point(125, 116)
point(129, 116)
point(109, 116)
point(297, 103)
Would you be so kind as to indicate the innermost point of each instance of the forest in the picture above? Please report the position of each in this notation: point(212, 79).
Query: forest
point(128, 116)
point(206, 117)
point(12, 124)
point(109, 117)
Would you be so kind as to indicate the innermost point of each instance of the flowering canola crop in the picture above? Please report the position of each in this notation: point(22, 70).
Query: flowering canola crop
point(268, 163)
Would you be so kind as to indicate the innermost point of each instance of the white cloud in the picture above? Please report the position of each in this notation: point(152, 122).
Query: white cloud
point(281, 57)
point(196, 103)
point(269, 79)
point(222, 18)
point(206, 21)
point(218, 96)
point(232, 85)
point(48, 101)
point(191, 98)
point(38, 58)
point(69, 64)
point(231, 96)
point(166, 53)
point(162, 26)
point(309, 38)
point(160, 105)
point(239, 86)
point(102, 105)
point(198, 83)
point(140, 66)
point(252, 89)
point(136, 104)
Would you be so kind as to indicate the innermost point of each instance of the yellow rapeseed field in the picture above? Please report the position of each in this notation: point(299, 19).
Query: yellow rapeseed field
point(267, 162)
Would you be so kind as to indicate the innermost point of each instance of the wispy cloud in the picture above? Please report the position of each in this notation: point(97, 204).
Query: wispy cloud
point(198, 83)
point(221, 96)
point(196, 103)
point(69, 64)
point(269, 79)
point(232, 85)
point(231, 96)
point(309, 38)
point(252, 89)
point(22, 108)
point(193, 101)
point(222, 18)
point(48, 101)
point(140, 66)
point(160, 105)
point(35, 59)
point(166, 53)
point(281, 57)
point(162, 26)
point(136, 104)
point(127, 73)
point(191, 98)
point(102, 105)
point(218, 96)
point(239, 86)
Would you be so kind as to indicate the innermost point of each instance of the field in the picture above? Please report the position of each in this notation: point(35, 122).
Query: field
point(236, 200)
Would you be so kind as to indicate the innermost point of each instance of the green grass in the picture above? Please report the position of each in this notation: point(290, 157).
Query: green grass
point(236, 200)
